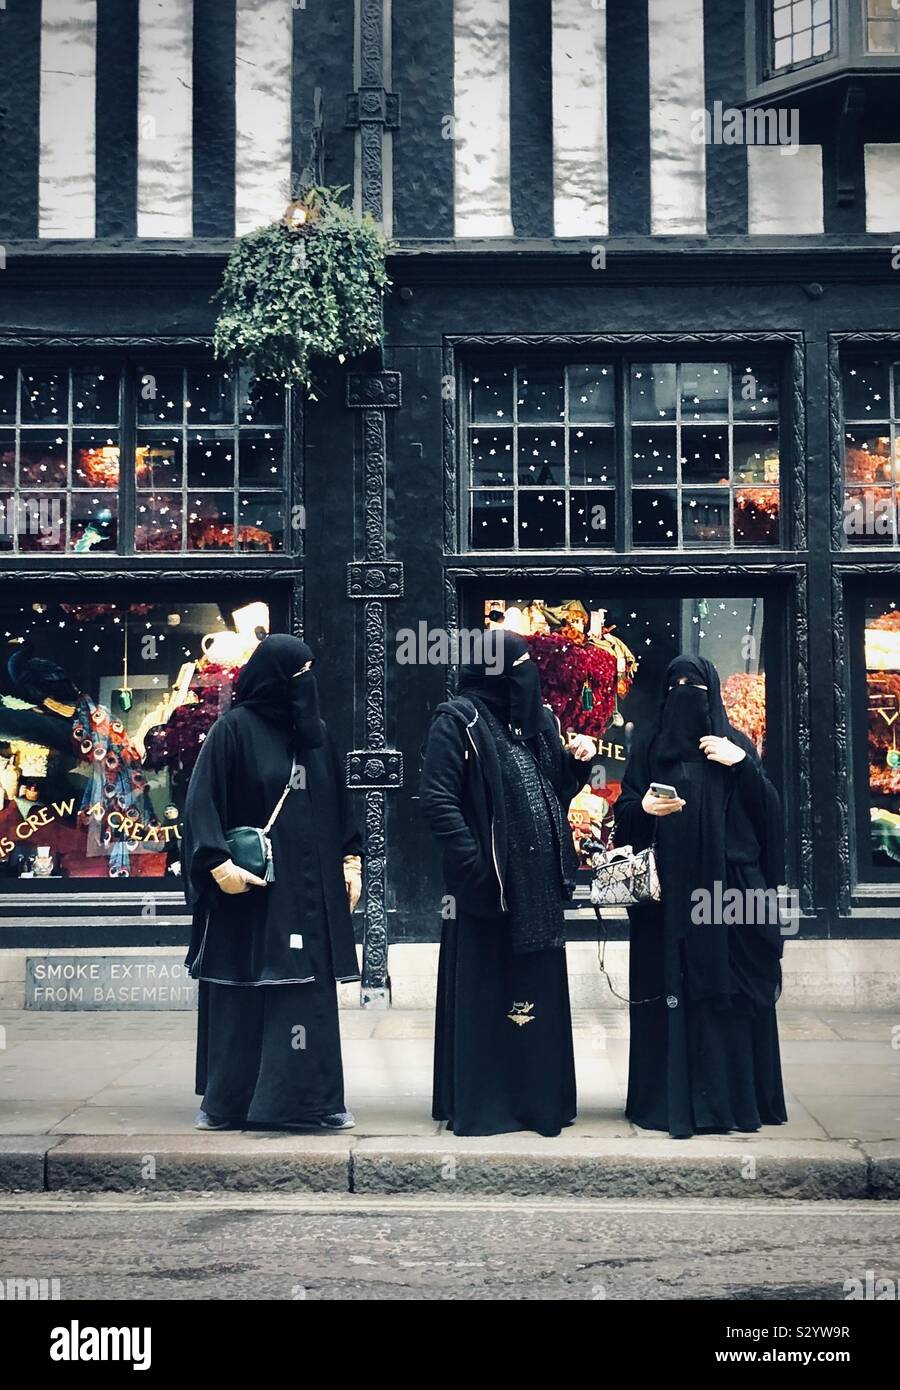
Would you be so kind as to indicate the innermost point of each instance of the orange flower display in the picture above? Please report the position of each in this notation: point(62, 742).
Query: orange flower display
point(744, 698)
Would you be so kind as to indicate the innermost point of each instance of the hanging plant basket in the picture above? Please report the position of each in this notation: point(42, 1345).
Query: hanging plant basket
point(311, 285)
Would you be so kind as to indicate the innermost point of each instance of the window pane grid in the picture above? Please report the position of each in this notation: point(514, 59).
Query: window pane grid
point(218, 476)
point(693, 431)
point(871, 510)
point(700, 441)
point(39, 483)
point(801, 32)
point(209, 508)
point(527, 434)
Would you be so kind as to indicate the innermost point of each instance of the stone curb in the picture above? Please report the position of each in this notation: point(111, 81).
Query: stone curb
point(884, 1168)
point(508, 1165)
point(23, 1163)
point(200, 1163)
point(611, 1168)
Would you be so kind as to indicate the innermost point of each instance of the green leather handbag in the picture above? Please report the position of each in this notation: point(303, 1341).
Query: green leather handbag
point(250, 848)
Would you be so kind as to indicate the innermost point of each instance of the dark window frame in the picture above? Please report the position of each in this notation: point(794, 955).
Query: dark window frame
point(622, 356)
point(131, 363)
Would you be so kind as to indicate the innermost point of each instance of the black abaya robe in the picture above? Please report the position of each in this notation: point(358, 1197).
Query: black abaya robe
point(504, 1058)
point(268, 1037)
point(704, 1053)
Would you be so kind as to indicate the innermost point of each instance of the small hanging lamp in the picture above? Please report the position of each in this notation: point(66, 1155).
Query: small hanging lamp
point(123, 698)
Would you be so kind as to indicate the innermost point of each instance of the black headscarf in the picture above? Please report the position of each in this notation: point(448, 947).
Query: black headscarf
point(687, 712)
point(512, 692)
point(691, 845)
point(270, 686)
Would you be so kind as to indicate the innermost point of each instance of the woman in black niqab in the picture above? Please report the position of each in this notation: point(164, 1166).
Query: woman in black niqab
point(278, 684)
point(704, 1054)
point(495, 789)
point(267, 955)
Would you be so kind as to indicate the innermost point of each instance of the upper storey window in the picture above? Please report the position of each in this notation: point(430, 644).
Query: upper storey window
point(801, 32)
point(796, 47)
point(882, 27)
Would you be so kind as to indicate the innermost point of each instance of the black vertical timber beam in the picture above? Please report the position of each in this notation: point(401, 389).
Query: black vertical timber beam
point(725, 78)
point(422, 48)
point(531, 118)
point(376, 768)
point(20, 90)
point(117, 117)
point(323, 65)
point(215, 117)
point(628, 118)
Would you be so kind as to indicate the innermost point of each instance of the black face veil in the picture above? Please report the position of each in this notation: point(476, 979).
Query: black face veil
point(269, 685)
point(508, 682)
point(687, 712)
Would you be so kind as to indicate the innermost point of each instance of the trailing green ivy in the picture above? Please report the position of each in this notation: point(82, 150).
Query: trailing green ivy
point(309, 286)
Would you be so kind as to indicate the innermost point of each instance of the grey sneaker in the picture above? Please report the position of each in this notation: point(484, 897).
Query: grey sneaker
point(342, 1120)
point(205, 1121)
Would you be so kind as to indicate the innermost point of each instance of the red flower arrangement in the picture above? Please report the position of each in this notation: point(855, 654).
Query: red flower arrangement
point(189, 724)
point(578, 681)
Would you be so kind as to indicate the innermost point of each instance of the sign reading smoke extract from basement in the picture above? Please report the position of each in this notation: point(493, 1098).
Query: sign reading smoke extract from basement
point(108, 982)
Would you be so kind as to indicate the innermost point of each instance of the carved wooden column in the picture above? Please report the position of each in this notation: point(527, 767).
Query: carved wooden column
point(375, 580)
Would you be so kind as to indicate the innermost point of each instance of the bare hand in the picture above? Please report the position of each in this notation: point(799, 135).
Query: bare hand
point(582, 746)
point(661, 805)
point(721, 750)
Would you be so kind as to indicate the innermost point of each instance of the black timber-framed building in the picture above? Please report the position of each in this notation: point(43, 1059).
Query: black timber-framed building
point(553, 216)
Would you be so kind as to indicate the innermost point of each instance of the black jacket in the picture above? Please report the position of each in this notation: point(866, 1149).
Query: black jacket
point(464, 805)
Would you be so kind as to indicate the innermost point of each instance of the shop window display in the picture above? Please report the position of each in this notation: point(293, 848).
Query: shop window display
point(695, 447)
point(882, 661)
point(103, 709)
point(602, 661)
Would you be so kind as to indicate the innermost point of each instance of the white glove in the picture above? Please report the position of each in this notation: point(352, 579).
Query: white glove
point(231, 878)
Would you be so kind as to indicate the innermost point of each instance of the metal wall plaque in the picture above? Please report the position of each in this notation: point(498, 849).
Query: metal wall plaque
point(374, 768)
point(381, 580)
point(108, 982)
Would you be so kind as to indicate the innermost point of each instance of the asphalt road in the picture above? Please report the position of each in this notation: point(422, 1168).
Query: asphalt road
point(351, 1248)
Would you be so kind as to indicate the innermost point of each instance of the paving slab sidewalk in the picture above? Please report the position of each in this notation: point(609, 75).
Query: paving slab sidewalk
point(104, 1102)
